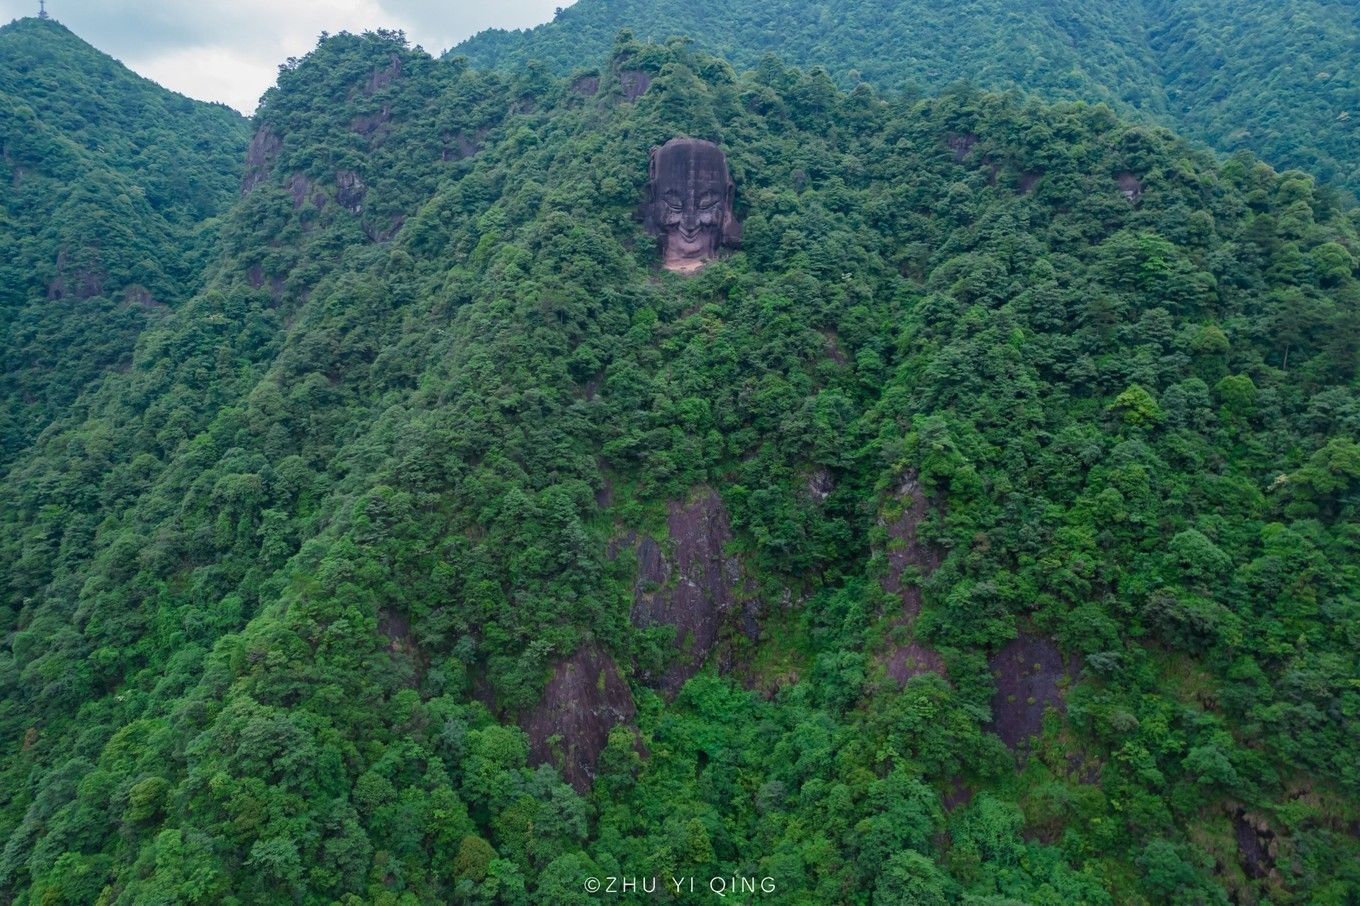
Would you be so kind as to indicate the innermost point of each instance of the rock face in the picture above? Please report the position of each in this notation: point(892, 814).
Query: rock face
point(396, 628)
point(569, 727)
point(1130, 186)
point(634, 82)
point(691, 586)
point(1257, 845)
point(136, 294)
point(380, 78)
point(301, 190)
point(906, 551)
point(82, 282)
point(460, 145)
point(1028, 671)
point(374, 126)
point(961, 144)
point(408, 661)
point(350, 191)
point(912, 659)
point(264, 148)
point(820, 484)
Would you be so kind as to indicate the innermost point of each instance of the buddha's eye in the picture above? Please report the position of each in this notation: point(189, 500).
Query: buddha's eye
point(708, 201)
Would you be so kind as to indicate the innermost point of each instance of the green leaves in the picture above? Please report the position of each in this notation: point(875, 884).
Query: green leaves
point(1136, 407)
point(281, 593)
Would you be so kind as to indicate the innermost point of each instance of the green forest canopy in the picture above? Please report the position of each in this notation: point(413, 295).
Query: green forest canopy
point(109, 180)
point(1281, 79)
point(278, 595)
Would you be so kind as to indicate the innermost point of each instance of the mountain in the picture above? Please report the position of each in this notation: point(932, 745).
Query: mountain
point(983, 529)
point(110, 179)
point(1275, 78)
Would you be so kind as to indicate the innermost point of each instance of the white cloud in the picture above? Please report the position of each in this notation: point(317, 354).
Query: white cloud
point(229, 50)
point(438, 26)
point(212, 74)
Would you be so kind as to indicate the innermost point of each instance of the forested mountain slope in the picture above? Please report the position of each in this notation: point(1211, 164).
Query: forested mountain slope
point(108, 178)
point(1280, 78)
point(1003, 485)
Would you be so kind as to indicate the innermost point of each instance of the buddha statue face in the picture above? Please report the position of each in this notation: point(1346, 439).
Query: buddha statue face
point(690, 207)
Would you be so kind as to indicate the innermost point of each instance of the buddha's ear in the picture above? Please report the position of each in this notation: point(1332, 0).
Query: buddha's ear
point(731, 232)
point(647, 210)
point(731, 236)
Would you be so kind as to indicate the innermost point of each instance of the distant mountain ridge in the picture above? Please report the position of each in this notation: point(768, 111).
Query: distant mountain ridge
point(1280, 79)
point(109, 178)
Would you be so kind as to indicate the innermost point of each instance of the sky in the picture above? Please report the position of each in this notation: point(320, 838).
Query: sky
point(230, 50)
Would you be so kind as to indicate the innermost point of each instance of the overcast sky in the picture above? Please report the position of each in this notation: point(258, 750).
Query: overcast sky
point(229, 50)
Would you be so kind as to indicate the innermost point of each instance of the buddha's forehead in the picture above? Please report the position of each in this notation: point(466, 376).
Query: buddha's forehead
point(684, 162)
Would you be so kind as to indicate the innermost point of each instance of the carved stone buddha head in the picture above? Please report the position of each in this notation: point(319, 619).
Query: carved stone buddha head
point(690, 203)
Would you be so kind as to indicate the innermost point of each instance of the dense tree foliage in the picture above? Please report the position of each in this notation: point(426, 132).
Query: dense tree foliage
point(276, 596)
point(108, 181)
point(1276, 78)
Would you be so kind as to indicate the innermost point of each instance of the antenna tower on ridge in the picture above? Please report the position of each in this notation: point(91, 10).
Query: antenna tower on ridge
point(42, 10)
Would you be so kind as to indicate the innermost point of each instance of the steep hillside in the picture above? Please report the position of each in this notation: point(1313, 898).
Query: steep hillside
point(984, 529)
point(1276, 78)
point(108, 178)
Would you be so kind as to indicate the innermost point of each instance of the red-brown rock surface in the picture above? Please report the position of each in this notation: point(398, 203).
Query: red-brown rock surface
point(584, 700)
point(1029, 672)
point(689, 584)
point(264, 148)
point(908, 552)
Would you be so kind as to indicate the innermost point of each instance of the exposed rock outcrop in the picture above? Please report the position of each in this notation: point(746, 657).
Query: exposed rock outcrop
point(396, 628)
point(460, 146)
point(374, 126)
point(408, 661)
point(584, 700)
point(300, 188)
point(961, 144)
point(385, 233)
point(958, 794)
point(383, 76)
point(833, 347)
point(634, 82)
point(1030, 674)
point(911, 658)
point(1130, 186)
point(260, 156)
point(82, 283)
point(1257, 844)
point(604, 494)
point(139, 295)
point(350, 191)
point(908, 552)
point(905, 548)
point(690, 585)
point(820, 484)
